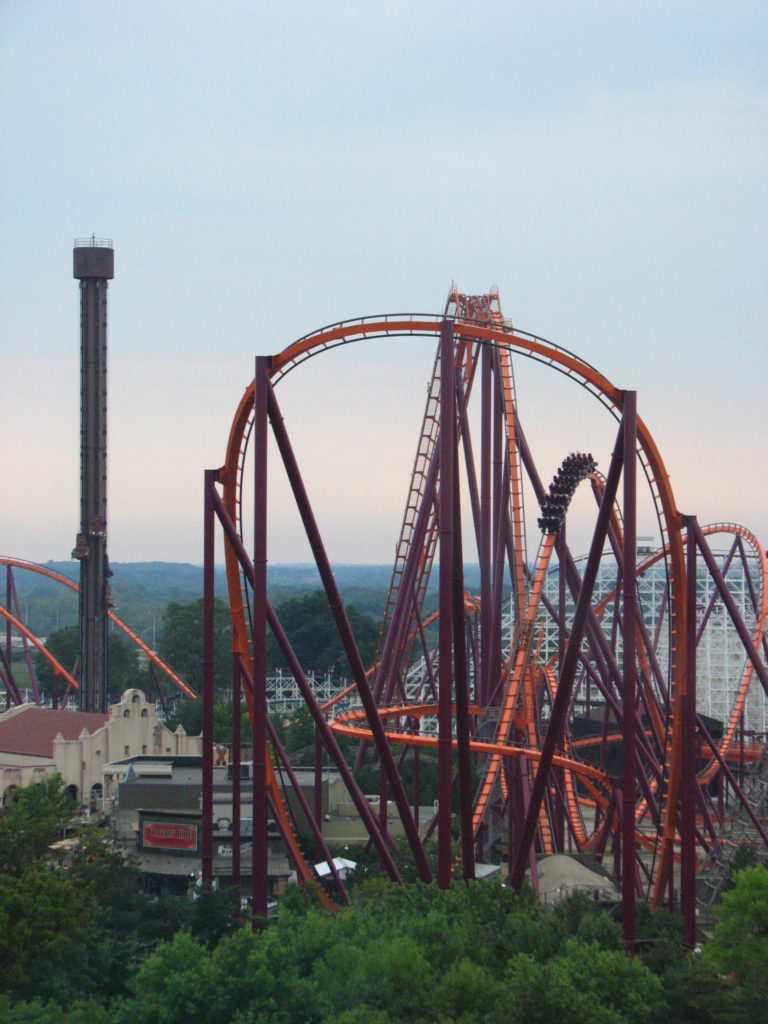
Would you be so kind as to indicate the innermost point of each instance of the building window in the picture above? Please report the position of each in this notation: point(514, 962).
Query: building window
point(127, 713)
point(143, 748)
point(127, 750)
point(144, 713)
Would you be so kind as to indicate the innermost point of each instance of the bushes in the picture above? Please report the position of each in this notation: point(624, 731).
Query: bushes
point(413, 954)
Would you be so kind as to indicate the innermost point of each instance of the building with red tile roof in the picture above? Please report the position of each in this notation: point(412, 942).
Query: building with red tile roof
point(37, 741)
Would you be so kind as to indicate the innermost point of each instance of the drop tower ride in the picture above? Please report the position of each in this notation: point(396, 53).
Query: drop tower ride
point(94, 266)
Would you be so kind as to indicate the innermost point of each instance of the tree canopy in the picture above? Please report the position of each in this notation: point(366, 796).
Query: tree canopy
point(310, 627)
point(181, 643)
point(34, 820)
point(123, 669)
point(740, 943)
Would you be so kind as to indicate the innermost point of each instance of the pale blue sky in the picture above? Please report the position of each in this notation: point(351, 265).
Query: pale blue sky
point(268, 168)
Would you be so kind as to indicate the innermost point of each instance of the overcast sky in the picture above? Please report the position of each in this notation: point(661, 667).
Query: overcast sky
point(267, 168)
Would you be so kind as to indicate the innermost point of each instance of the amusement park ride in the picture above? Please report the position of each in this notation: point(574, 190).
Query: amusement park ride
point(560, 702)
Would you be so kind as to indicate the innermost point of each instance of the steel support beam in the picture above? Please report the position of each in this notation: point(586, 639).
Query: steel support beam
point(562, 698)
point(259, 874)
point(345, 634)
point(688, 776)
point(629, 696)
point(328, 738)
point(206, 841)
point(446, 455)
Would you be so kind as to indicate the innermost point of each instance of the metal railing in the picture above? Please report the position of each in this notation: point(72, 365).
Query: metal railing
point(93, 243)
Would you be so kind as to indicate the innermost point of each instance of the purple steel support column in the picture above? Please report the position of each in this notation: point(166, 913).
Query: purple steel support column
point(429, 680)
point(389, 661)
point(7, 675)
point(206, 844)
point(512, 818)
point(462, 689)
point(483, 683)
point(706, 806)
point(728, 776)
point(629, 695)
point(236, 773)
point(752, 652)
point(329, 740)
point(465, 436)
point(688, 768)
point(317, 831)
point(704, 619)
point(499, 524)
point(445, 637)
point(416, 765)
point(318, 794)
point(346, 637)
point(498, 552)
point(383, 798)
point(617, 836)
point(259, 873)
point(12, 694)
point(524, 796)
point(560, 816)
point(8, 585)
point(562, 698)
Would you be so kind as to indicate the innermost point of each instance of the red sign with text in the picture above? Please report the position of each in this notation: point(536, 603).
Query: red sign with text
point(168, 836)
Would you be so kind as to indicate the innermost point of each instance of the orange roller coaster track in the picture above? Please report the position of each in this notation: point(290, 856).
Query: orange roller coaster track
point(152, 657)
point(499, 709)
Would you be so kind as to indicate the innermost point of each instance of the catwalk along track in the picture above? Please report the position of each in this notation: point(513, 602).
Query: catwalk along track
point(562, 717)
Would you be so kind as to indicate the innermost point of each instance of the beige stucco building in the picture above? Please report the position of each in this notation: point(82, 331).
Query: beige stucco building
point(36, 741)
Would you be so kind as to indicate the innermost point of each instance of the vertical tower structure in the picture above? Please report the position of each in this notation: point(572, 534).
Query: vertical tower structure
point(94, 266)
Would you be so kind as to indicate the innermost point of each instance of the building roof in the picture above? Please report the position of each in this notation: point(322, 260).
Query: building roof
point(30, 729)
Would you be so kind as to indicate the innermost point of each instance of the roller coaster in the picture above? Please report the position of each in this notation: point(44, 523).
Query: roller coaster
point(613, 705)
point(559, 703)
point(66, 681)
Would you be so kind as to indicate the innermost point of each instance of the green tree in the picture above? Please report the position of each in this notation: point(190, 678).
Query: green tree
point(214, 913)
point(171, 986)
point(181, 643)
point(410, 954)
point(295, 729)
point(64, 645)
point(314, 637)
point(46, 935)
point(81, 1011)
point(123, 670)
point(33, 821)
point(740, 942)
point(189, 714)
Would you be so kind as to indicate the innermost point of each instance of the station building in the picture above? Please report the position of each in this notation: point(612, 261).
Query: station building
point(36, 742)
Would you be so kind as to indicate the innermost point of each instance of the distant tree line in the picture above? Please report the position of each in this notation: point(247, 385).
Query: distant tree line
point(306, 619)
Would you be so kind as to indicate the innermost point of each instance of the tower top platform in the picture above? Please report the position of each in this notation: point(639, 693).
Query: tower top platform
point(93, 257)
